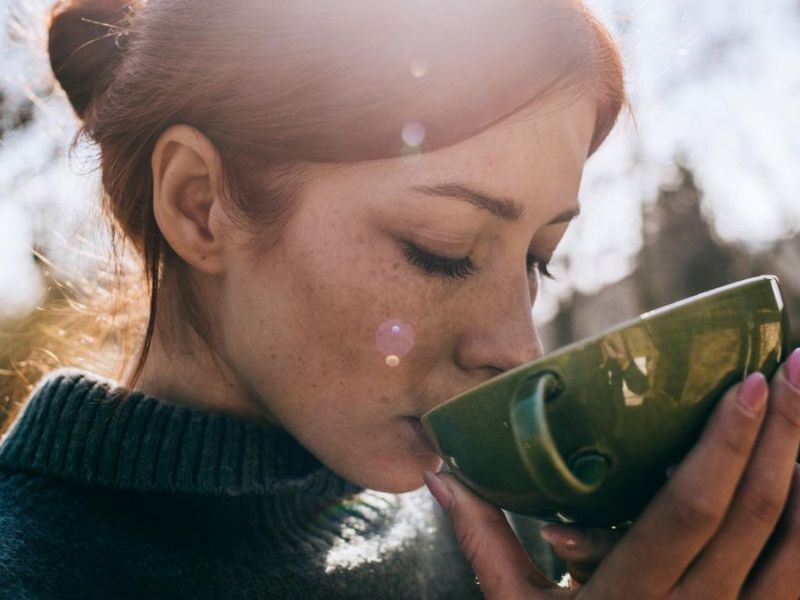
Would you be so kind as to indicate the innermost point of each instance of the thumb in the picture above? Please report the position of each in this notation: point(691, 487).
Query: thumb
point(498, 559)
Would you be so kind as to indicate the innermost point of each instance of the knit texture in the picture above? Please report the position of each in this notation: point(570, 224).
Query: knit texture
point(107, 493)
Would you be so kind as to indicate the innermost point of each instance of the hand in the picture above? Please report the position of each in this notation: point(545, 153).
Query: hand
point(581, 548)
point(726, 525)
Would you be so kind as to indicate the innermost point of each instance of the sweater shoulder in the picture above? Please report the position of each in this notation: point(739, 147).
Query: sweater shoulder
point(36, 513)
point(57, 535)
point(23, 497)
point(29, 544)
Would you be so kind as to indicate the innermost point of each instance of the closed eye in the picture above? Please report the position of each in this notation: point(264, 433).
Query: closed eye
point(461, 268)
point(433, 264)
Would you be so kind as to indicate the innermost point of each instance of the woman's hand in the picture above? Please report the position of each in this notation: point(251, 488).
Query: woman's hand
point(721, 527)
point(581, 548)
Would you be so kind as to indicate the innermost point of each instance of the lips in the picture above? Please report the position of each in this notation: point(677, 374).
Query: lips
point(425, 441)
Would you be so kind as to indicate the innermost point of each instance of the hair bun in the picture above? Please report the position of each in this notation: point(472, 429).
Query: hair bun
point(84, 44)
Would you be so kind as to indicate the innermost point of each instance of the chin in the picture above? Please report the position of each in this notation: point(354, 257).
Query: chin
point(397, 477)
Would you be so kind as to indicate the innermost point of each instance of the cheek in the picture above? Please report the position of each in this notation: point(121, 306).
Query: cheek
point(317, 326)
point(303, 337)
point(360, 304)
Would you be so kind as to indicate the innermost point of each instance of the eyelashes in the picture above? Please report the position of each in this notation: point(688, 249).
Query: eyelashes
point(434, 264)
point(461, 268)
point(538, 264)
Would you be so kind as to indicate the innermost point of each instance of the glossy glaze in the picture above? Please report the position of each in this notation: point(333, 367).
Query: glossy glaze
point(622, 406)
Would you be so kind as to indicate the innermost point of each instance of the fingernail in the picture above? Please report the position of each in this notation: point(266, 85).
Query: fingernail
point(753, 394)
point(555, 535)
point(793, 368)
point(438, 490)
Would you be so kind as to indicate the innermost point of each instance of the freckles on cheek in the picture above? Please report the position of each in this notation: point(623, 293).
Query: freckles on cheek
point(330, 308)
point(362, 306)
point(399, 311)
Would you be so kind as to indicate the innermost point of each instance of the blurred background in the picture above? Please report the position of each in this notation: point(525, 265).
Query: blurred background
point(703, 189)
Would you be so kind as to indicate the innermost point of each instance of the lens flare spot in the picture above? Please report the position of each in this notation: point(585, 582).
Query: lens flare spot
point(394, 338)
point(410, 154)
point(392, 360)
point(413, 133)
point(419, 67)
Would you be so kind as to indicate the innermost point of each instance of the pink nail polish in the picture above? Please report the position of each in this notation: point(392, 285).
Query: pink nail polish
point(557, 536)
point(438, 490)
point(753, 393)
point(793, 368)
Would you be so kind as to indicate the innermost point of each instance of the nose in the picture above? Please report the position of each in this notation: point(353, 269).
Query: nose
point(500, 336)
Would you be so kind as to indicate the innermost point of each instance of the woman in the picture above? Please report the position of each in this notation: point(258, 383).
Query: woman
point(341, 209)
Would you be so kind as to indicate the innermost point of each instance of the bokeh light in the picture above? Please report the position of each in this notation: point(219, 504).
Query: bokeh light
point(419, 67)
point(413, 133)
point(392, 360)
point(394, 338)
point(410, 154)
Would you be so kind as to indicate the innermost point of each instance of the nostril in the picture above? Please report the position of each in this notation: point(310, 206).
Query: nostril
point(476, 377)
point(495, 371)
point(494, 348)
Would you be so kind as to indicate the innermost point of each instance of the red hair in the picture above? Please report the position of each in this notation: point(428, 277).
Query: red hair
point(277, 84)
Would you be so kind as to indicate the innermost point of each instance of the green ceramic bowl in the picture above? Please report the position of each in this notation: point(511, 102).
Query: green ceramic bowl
point(585, 434)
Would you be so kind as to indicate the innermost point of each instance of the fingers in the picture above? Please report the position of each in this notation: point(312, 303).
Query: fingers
point(760, 498)
point(499, 560)
point(582, 548)
point(686, 512)
point(775, 575)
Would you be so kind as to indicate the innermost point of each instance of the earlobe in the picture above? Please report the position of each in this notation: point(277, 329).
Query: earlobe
point(185, 166)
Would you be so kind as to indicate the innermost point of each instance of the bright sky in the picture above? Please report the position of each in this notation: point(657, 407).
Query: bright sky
point(716, 81)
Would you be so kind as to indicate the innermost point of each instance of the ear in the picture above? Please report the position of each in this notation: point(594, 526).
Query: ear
point(186, 206)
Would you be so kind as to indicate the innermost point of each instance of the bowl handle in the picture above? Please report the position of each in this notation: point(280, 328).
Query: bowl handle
point(536, 446)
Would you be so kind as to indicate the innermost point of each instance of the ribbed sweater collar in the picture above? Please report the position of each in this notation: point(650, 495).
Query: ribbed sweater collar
point(79, 426)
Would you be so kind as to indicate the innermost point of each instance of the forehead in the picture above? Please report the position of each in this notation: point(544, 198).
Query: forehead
point(536, 142)
point(536, 153)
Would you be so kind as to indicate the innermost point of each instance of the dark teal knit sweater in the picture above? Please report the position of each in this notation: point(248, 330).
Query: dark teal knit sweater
point(109, 494)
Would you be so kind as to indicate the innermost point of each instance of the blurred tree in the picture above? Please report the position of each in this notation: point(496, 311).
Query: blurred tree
point(14, 115)
point(681, 256)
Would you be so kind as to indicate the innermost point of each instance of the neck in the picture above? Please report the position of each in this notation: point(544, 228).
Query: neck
point(83, 427)
point(180, 368)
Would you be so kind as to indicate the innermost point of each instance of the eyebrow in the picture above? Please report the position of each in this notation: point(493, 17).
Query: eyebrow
point(505, 208)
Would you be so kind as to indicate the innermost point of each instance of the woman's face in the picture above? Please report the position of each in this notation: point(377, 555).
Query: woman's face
point(347, 331)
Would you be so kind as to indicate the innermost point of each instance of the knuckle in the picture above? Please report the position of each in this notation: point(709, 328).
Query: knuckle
point(761, 504)
point(695, 513)
point(470, 539)
point(475, 534)
point(736, 444)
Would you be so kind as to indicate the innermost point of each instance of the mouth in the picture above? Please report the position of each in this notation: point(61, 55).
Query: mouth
point(416, 425)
